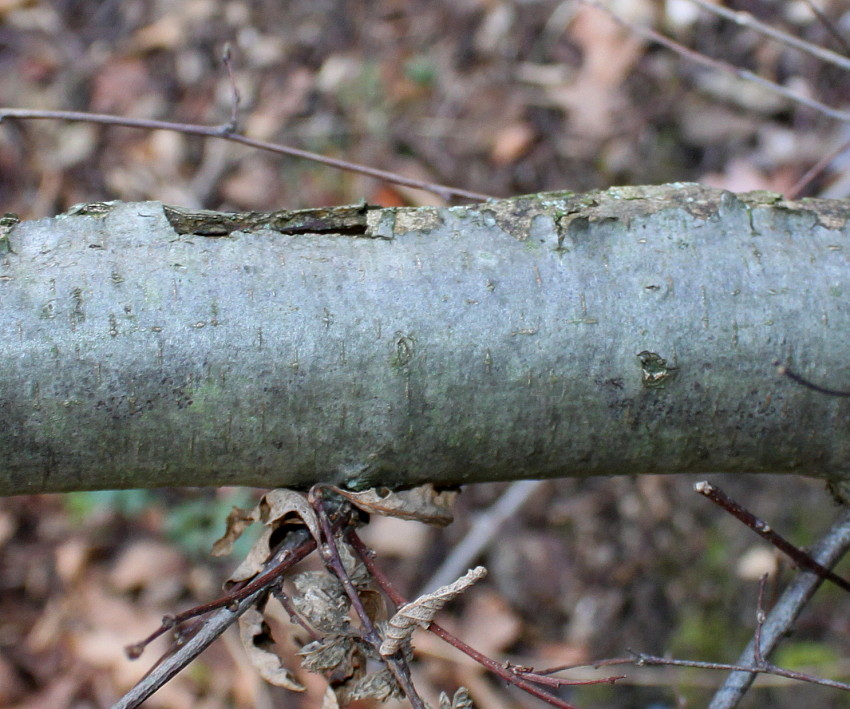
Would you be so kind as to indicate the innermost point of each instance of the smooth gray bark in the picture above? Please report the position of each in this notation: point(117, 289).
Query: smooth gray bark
point(621, 332)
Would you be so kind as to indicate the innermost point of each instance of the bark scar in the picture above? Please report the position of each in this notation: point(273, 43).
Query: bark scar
point(348, 220)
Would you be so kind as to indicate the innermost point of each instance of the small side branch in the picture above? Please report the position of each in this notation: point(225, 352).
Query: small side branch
point(521, 677)
point(225, 133)
point(827, 552)
point(297, 546)
point(785, 371)
point(724, 67)
point(803, 559)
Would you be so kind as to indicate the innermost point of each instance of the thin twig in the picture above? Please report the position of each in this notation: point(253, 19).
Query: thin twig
point(294, 615)
point(330, 554)
point(826, 552)
point(803, 559)
point(725, 67)
point(815, 170)
point(784, 371)
point(223, 132)
point(642, 659)
point(297, 545)
point(760, 618)
point(745, 19)
point(229, 600)
point(227, 60)
point(829, 26)
point(486, 527)
point(513, 677)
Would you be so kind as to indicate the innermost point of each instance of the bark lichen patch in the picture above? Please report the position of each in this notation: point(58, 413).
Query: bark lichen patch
point(97, 210)
point(419, 219)
point(830, 214)
point(8, 222)
point(404, 347)
point(655, 372)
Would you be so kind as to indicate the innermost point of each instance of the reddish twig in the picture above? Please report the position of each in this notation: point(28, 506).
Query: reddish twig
point(297, 545)
point(294, 615)
point(263, 582)
point(330, 555)
point(784, 371)
point(827, 551)
point(224, 132)
point(764, 530)
point(513, 676)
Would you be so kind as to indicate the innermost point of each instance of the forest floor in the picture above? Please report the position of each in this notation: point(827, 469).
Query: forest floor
point(501, 98)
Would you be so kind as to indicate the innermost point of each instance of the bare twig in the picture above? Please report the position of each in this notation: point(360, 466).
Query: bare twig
point(725, 67)
point(224, 132)
point(803, 559)
point(829, 26)
point(514, 676)
point(642, 659)
point(816, 170)
point(826, 552)
point(296, 546)
point(745, 19)
point(330, 554)
point(227, 59)
point(485, 528)
point(262, 582)
point(784, 371)
point(760, 618)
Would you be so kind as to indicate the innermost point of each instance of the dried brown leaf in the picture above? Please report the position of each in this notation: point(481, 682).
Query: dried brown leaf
point(254, 560)
point(237, 522)
point(460, 700)
point(380, 685)
point(258, 643)
point(420, 612)
point(356, 570)
point(277, 506)
point(322, 601)
point(330, 654)
point(422, 504)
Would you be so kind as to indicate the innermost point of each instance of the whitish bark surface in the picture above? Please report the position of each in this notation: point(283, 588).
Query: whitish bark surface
point(626, 331)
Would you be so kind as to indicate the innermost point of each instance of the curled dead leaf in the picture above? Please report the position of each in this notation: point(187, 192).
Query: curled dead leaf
point(380, 685)
point(356, 570)
point(277, 506)
point(237, 522)
point(258, 643)
point(331, 653)
point(322, 601)
point(422, 504)
point(420, 612)
point(254, 560)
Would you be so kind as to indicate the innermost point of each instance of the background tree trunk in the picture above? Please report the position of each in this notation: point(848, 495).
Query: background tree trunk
point(627, 331)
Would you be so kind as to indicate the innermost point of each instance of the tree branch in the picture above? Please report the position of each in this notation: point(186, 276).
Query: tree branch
point(620, 332)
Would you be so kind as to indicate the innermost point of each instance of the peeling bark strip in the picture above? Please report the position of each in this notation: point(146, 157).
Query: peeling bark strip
point(626, 331)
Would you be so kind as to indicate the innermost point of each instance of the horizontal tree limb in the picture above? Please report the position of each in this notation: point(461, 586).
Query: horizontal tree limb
point(628, 331)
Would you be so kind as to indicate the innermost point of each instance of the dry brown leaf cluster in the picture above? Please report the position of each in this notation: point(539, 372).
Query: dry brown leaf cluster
point(335, 646)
